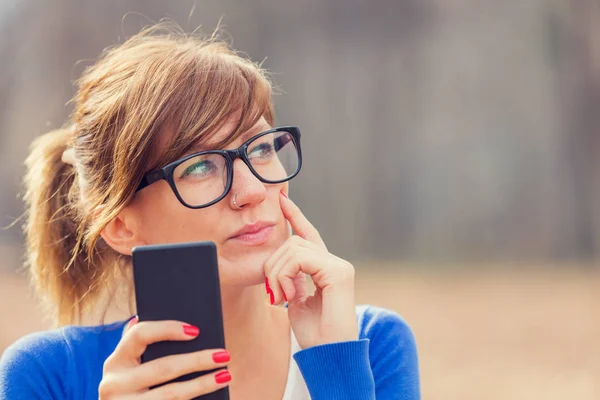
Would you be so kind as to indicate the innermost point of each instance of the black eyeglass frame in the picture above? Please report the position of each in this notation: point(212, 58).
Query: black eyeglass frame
point(167, 171)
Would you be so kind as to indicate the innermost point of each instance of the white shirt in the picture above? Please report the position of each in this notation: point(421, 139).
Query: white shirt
point(295, 387)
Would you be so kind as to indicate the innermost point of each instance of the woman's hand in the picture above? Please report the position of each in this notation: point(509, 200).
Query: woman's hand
point(125, 376)
point(328, 315)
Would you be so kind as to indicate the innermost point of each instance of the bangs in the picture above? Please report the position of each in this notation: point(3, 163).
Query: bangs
point(162, 95)
point(209, 90)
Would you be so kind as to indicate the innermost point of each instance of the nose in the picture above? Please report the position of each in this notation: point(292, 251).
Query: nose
point(246, 187)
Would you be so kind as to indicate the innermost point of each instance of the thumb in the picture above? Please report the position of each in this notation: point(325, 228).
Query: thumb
point(132, 321)
point(300, 286)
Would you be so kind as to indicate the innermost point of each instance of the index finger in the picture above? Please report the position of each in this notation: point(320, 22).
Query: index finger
point(301, 226)
point(140, 335)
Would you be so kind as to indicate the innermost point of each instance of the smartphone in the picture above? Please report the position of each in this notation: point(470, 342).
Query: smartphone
point(181, 282)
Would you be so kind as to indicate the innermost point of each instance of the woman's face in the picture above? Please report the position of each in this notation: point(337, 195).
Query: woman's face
point(161, 218)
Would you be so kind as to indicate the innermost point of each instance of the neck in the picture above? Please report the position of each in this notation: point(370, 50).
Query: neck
point(257, 336)
point(251, 324)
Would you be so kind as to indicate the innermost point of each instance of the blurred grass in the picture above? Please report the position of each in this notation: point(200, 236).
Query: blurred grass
point(498, 333)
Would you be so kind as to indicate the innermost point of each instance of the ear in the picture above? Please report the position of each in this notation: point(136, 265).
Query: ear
point(122, 233)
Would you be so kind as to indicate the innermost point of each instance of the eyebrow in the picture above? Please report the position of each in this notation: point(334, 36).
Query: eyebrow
point(248, 134)
point(253, 132)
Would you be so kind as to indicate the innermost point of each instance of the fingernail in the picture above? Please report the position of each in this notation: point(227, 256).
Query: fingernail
point(132, 321)
point(283, 193)
point(191, 330)
point(272, 296)
point(221, 356)
point(223, 376)
point(267, 285)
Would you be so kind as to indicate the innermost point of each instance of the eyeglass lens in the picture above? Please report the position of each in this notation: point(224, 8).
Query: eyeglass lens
point(203, 178)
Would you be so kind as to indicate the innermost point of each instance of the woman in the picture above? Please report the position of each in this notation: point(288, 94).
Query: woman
point(162, 101)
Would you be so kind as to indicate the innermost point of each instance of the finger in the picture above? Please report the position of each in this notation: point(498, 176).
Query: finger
point(292, 290)
point(293, 244)
point(135, 340)
point(293, 240)
point(132, 321)
point(300, 285)
point(168, 368)
point(190, 389)
point(324, 268)
point(301, 226)
point(288, 267)
point(281, 291)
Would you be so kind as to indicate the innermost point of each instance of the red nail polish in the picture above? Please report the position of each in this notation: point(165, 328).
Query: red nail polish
point(284, 296)
point(221, 356)
point(272, 296)
point(267, 285)
point(191, 330)
point(223, 376)
point(132, 321)
point(283, 193)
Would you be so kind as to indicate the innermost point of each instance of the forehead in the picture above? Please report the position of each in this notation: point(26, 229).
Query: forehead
point(225, 131)
point(171, 147)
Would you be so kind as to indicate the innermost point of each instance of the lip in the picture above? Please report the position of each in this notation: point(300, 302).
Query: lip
point(254, 234)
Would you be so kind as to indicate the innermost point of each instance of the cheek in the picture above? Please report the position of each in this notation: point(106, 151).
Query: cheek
point(163, 219)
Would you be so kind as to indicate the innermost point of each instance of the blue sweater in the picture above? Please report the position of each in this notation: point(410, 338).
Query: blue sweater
point(67, 363)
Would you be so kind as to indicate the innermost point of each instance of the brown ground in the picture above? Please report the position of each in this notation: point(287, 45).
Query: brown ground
point(493, 335)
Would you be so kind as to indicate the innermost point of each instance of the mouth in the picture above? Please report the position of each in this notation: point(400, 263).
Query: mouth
point(254, 234)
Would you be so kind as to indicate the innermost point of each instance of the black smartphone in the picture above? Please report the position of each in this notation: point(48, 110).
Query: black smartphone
point(181, 282)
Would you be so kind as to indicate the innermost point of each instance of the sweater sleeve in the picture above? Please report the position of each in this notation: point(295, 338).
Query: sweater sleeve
point(393, 355)
point(337, 371)
point(35, 367)
point(381, 365)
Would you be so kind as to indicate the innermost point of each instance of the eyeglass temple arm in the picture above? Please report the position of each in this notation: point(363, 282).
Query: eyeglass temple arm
point(150, 178)
point(281, 141)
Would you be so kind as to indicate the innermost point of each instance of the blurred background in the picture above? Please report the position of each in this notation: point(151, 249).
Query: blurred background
point(451, 153)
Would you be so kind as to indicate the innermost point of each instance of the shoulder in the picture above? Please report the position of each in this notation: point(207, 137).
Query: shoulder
point(35, 346)
point(34, 366)
point(379, 324)
point(392, 350)
point(48, 364)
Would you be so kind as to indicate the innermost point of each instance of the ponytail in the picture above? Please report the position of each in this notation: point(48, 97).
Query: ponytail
point(51, 230)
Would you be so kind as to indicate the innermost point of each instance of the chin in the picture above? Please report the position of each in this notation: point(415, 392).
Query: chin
point(245, 270)
point(244, 265)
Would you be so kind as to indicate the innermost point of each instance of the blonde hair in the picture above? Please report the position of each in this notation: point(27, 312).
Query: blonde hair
point(161, 81)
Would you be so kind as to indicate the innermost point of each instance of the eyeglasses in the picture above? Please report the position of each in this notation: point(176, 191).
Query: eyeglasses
point(202, 179)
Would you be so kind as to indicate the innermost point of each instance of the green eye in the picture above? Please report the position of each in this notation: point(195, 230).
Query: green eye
point(198, 169)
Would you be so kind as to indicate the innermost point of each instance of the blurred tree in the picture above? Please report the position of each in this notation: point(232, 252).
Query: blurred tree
point(436, 130)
